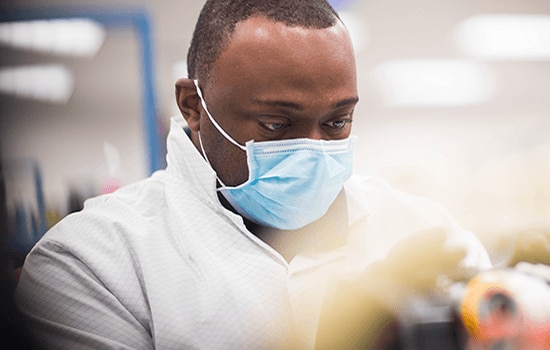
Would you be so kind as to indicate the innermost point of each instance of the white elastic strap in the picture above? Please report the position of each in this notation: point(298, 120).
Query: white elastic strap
point(206, 158)
point(202, 148)
point(226, 135)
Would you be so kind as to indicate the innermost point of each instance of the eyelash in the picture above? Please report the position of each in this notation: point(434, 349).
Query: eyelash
point(281, 126)
point(345, 121)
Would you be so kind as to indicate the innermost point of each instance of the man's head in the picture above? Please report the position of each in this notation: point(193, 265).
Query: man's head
point(218, 19)
point(268, 70)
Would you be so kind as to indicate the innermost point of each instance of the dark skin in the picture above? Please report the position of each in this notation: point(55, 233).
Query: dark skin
point(272, 82)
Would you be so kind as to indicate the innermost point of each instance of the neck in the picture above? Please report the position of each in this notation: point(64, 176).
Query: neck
point(286, 243)
point(256, 229)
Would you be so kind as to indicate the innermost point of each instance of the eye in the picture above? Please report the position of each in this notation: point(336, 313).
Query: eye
point(338, 123)
point(275, 126)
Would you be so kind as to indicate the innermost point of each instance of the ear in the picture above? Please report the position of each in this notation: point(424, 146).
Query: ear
point(188, 102)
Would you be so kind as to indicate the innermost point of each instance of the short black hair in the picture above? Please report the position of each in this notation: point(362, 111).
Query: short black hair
point(218, 18)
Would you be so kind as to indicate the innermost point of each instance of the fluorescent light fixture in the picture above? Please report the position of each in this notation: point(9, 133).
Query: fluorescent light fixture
point(50, 83)
point(505, 37)
point(73, 37)
point(434, 83)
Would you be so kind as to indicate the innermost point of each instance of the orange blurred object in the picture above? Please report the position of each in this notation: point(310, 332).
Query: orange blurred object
point(507, 308)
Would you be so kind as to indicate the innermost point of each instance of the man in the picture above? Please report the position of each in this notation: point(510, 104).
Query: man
point(234, 245)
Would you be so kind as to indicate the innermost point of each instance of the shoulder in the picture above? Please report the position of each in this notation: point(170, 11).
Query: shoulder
point(109, 225)
point(134, 199)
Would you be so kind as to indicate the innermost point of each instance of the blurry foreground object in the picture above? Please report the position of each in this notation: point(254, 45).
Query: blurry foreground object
point(531, 245)
point(509, 308)
point(364, 314)
point(419, 297)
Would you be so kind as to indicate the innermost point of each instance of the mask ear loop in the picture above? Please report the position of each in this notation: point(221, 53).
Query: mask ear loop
point(202, 148)
point(220, 129)
point(207, 161)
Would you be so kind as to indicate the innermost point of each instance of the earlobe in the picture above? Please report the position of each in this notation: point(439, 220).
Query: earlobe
point(188, 102)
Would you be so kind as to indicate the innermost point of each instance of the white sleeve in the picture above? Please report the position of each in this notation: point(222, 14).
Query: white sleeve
point(67, 306)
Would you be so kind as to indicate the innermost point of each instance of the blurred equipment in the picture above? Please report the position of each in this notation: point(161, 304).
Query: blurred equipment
point(509, 308)
point(498, 309)
point(431, 323)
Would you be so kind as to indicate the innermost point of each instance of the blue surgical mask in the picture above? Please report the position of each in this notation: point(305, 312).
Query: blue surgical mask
point(291, 183)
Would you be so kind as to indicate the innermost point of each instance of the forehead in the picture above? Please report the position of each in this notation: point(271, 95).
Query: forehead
point(264, 52)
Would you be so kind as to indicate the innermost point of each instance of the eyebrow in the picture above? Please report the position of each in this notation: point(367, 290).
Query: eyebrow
point(345, 102)
point(276, 103)
point(297, 107)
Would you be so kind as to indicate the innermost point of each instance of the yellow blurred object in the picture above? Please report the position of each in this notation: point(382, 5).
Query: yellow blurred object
point(532, 246)
point(363, 313)
point(420, 294)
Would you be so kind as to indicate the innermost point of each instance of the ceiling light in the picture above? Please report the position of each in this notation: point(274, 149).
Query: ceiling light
point(505, 37)
point(434, 83)
point(75, 37)
point(51, 83)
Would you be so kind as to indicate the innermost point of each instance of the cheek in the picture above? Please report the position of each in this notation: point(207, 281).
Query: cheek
point(231, 166)
point(228, 161)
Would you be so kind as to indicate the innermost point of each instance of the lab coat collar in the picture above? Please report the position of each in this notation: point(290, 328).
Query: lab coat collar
point(186, 165)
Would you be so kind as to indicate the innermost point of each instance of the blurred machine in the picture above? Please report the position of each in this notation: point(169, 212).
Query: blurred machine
point(500, 309)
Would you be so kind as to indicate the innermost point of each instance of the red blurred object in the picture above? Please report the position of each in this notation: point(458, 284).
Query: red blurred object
point(508, 309)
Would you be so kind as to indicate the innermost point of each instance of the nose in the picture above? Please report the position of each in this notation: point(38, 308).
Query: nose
point(313, 132)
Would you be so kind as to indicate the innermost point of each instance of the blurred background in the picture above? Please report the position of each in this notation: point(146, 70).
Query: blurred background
point(455, 103)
